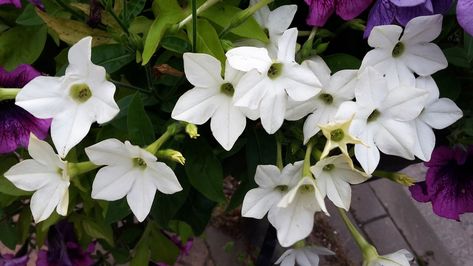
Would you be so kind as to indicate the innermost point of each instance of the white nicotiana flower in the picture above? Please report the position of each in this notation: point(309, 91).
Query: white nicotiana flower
point(271, 81)
point(399, 258)
point(294, 217)
point(73, 101)
point(304, 256)
point(336, 89)
point(274, 22)
point(211, 98)
point(382, 118)
point(334, 175)
point(47, 175)
point(437, 113)
point(338, 135)
point(132, 172)
point(273, 185)
point(398, 57)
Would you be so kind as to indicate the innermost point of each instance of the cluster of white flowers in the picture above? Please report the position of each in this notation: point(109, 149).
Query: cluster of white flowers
point(74, 102)
point(391, 104)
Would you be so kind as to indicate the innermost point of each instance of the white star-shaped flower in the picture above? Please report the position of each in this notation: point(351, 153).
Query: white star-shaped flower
point(275, 22)
point(294, 217)
point(398, 258)
point(335, 90)
point(211, 98)
point(382, 118)
point(398, 57)
point(132, 172)
point(47, 175)
point(273, 185)
point(271, 81)
point(334, 175)
point(437, 113)
point(73, 101)
point(304, 256)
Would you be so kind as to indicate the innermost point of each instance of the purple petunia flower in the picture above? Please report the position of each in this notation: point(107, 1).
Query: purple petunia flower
point(448, 183)
point(15, 122)
point(386, 12)
point(321, 10)
point(16, 3)
point(63, 249)
point(464, 15)
point(11, 260)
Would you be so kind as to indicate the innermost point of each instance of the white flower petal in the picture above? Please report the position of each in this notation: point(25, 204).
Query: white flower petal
point(428, 83)
point(288, 258)
point(251, 88)
point(297, 110)
point(102, 105)
point(272, 111)
point(202, 70)
point(109, 152)
point(299, 82)
point(227, 123)
point(343, 84)
point(422, 29)
point(424, 59)
point(396, 138)
point(404, 103)
point(321, 70)
point(336, 189)
point(114, 182)
point(69, 128)
point(45, 200)
point(261, 16)
point(280, 19)
point(268, 176)
point(79, 57)
point(29, 175)
point(43, 153)
point(441, 114)
point(287, 46)
point(232, 75)
point(197, 105)
point(40, 92)
point(63, 204)
point(368, 156)
point(259, 201)
point(371, 88)
point(163, 178)
point(385, 36)
point(248, 58)
point(141, 196)
point(425, 140)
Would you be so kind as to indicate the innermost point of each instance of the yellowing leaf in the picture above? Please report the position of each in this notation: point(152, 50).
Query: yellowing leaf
point(106, 19)
point(71, 31)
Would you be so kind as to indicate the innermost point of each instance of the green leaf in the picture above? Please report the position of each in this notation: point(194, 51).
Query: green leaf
point(24, 223)
point(448, 84)
point(207, 40)
point(98, 230)
point(112, 56)
point(222, 14)
point(340, 61)
point(457, 56)
point(9, 235)
point(132, 9)
point(29, 17)
point(21, 45)
point(140, 127)
point(204, 170)
point(196, 211)
point(182, 229)
point(468, 46)
point(162, 248)
point(168, 13)
point(116, 211)
point(176, 44)
point(142, 255)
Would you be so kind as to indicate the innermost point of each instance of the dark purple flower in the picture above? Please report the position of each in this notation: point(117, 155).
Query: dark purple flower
point(464, 15)
point(63, 249)
point(321, 10)
point(16, 3)
point(385, 12)
point(448, 183)
point(16, 123)
point(11, 260)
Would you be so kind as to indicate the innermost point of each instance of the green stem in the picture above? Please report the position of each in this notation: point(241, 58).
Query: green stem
point(366, 248)
point(241, 17)
point(198, 11)
point(194, 26)
point(170, 131)
point(399, 178)
point(279, 161)
point(75, 169)
point(8, 93)
point(306, 167)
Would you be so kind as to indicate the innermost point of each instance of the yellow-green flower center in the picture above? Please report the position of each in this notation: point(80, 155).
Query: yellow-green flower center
point(275, 70)
point(328, 167)
point(139, 162)
point(326, 98)
point(80, 92)
point(306, 188)
point(398, 49)
point(227, 89)
point(337, 134)
point(374, 115)
point(282, 188)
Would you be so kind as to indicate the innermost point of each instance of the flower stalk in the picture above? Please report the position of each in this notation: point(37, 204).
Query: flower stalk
point(306, 167)
point(279, 161)
point(244, 15)
point(199, 10)
point(172, 130)
point(399, 178)
point(8, 93)
point(75, 169)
